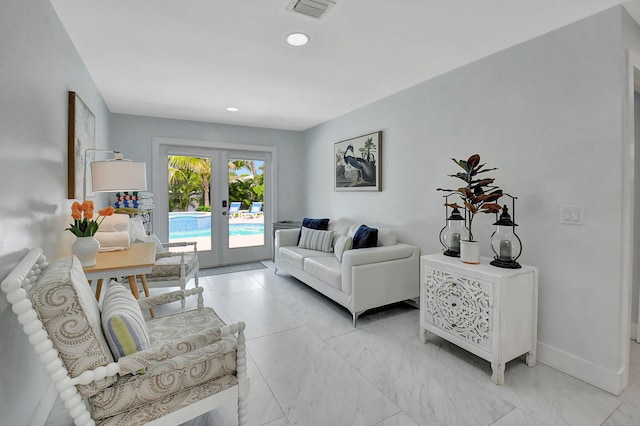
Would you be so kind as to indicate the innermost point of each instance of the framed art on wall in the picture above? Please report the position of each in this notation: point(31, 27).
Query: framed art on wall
point(357, 163)
point(82, 129)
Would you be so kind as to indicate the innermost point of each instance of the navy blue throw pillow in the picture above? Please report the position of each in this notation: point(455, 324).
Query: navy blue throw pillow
point(320, 224)
point(365, 237)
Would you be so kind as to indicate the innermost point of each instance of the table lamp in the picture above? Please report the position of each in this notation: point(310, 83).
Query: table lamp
point(114, 175)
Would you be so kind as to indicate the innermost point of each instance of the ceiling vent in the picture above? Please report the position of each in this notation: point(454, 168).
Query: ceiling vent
point(312, 8)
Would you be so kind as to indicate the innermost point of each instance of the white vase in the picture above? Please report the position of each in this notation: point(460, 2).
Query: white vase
point(470, 252)
point(86, 249)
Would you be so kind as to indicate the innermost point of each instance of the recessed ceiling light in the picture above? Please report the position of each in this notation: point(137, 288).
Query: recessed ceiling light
point(297, 39)
point(232, 109)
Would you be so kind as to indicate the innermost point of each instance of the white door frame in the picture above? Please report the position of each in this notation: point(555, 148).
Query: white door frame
point(629, 177)
point(159, 176)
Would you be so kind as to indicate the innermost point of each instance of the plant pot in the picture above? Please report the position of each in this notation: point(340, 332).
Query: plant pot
point(470, 252)
point(86, 249)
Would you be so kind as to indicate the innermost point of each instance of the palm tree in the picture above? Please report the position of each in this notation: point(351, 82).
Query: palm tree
point(239, 164)
point(246, 188)
point(200, 166)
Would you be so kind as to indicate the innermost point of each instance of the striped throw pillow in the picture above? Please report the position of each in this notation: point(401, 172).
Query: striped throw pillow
point(315, 239)
point(122, 322)
point(343, 243)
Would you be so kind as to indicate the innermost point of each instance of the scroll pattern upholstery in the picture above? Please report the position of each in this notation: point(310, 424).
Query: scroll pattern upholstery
point(221, 344)
point(169, 265)
point(172, 327)
point(166, 405)
point(166, 378)
point(69, 312)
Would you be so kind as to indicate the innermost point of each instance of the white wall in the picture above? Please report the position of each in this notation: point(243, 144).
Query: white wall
point(548, 114)
point(38, 65)
point(133, 135)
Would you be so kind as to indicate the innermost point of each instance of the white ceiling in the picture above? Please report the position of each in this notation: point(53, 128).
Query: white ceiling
point(190, 59)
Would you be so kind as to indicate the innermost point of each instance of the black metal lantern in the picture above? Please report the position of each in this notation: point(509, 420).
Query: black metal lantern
point(505, 243)
point(452, 232)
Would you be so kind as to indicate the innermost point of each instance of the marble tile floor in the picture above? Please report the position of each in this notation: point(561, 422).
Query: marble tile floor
point(309, 366)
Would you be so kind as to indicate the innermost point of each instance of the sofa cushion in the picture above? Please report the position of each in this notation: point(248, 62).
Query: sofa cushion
point(69, 312)
point(326, 269)
point(387, 237)
point(295, 256)
point(315, 239)
point(365, 237)
point(122, 322)
point(321, 224)
point(340, 227)
point(343, 243)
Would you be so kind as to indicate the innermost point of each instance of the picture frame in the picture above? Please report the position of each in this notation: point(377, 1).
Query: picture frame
point(81, 136)
point(358, 163)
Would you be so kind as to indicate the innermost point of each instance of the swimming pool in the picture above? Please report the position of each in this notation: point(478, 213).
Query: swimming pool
point(198, 224)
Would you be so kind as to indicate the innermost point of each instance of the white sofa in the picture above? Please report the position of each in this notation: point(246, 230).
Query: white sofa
point(366, 278)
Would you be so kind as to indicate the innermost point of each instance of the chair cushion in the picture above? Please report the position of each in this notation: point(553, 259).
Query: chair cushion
point(365, 237)
point(122, 322)
point(343, 243)
point(170, 327)
point(167, 377)
point(161, 407)
point(169, 266)
point(70, 314)
point(171, 376)
point(315, 239)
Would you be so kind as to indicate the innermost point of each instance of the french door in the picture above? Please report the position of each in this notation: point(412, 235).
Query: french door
point(219, 197)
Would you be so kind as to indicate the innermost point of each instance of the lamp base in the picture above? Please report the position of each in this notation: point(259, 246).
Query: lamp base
point(509, 264)
point(451, 253)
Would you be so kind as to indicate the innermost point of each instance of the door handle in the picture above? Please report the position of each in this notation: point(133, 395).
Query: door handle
point(224, 213)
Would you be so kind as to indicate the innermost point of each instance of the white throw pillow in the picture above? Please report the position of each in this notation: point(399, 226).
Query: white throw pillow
point(315, 239)
point(136, 229)
point(343, 243)
point(153, 238)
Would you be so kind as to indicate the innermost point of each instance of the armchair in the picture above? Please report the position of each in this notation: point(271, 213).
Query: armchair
point(193, 362)
point(174, 269)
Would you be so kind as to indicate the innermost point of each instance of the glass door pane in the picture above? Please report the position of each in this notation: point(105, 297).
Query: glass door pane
point(246, 201)
point(246, 180)
point(189, 198)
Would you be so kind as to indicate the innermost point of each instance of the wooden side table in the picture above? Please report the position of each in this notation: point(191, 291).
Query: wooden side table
point(489, 311)
point(138, 260)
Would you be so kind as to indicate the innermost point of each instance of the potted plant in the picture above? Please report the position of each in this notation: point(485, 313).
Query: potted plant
point(86, 247)
point(478, 195)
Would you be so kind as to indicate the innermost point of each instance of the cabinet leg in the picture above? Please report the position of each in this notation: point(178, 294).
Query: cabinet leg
point(498, 373)
point(531, 358)
point(424, 335)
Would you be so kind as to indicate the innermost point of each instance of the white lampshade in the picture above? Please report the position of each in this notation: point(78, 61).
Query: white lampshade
point(118, 175)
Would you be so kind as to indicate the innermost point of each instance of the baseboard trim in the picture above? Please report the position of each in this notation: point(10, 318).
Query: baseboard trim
point(44, 407)
point(609, 380)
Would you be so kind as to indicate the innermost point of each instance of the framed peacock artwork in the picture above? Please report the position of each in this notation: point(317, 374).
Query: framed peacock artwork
point(358, 163)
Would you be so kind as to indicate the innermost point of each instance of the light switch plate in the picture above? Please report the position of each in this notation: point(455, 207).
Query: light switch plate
point(572, 215)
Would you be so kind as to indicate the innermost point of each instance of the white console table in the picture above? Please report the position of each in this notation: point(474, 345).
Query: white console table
point(489, 311)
